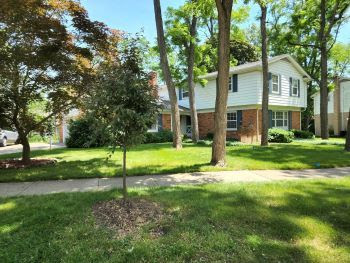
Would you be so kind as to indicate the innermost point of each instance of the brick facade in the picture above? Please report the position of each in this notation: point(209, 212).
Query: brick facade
point(205, 124)
point(250, 130)
point(296, 120)
point(166, 120)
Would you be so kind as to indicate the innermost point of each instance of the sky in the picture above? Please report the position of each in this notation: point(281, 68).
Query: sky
point(133, 16)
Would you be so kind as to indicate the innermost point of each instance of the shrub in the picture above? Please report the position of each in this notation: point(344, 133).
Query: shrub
point(84, 134)
point(205, 142)
point(280, 136)
point(303, 134)
point(210, 136)
point(158, 137)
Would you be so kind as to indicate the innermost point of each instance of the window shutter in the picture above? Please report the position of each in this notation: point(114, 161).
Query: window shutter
point(239, 118)
point(180, 94)
point(290, 86)
point(234, 83)
point(270, 118)
point(160, 122)
point(289, 120)
point(299, 88)
point(270, 82)
point(280, 83)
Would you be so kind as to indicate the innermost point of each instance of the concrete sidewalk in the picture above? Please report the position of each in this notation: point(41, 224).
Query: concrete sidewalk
point(99, 184)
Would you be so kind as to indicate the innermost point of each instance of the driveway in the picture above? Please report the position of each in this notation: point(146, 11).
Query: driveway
point(33, 146)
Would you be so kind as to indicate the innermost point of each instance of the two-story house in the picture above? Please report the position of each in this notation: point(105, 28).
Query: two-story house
point(288, 97)
point(338, 107)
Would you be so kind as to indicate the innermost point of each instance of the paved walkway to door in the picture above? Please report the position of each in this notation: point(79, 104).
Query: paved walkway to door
point(99, 184)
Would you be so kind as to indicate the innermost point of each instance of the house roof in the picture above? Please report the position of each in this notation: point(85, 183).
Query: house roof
point(167, 105)
point(252, 66)
point(341, 79)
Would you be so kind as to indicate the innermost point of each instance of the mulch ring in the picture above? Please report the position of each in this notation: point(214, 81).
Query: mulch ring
point(126, 217)
point(17, 163)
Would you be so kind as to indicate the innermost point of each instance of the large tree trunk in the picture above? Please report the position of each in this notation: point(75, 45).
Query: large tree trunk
point(175, 114)
point(324, 72)
point(220, 115)
point(125, 190)
point(265, 68)
point(26, 149)
point(347, 143)
point(191, 84)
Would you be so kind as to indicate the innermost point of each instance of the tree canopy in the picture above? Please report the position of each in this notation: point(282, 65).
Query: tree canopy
point(46, 50)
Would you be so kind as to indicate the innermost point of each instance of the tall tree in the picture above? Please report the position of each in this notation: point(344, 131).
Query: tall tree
point(224, 8)
point(322, 18)
point(122, 102)
point(182, 32)
point(175, 113)
point(265, 69)
point(339, 60)
point(44, 60)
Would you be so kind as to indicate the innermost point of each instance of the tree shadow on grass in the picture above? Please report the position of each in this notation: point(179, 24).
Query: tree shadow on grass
point(285, 156)
point(209, 223)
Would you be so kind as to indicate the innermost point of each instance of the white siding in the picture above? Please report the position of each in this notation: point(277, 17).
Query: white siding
point(286, 70)
point(250, 90)
point(317, 103)
point(345, 96)
point(246, 94)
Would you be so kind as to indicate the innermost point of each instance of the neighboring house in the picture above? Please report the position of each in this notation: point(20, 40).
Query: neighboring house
point(288, 97)
point(338, 107)
point(62, 128)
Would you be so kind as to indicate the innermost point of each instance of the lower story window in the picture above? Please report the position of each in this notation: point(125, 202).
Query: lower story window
point(280, 119)
point(154, 127)
point(232, 121)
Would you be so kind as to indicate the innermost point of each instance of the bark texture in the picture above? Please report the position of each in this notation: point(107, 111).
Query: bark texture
point(265, 68)
point(26, 149)
point(220, 116)
point(125, 190)
point(175, 114)
point(347, 142)
point(191, 84)
point(324, 72)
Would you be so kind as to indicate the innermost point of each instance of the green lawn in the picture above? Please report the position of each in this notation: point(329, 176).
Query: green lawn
point(162, 158)
point(305, 221)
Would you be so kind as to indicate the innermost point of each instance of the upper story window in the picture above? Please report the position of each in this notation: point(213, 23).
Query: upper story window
point(275, 83)
point(232, 121)
point(230, 83)
point(295, 87)
point(280, 119)
point(233, 83)
point(184, 93)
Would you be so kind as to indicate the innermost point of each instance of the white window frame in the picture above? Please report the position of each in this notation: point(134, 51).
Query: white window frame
point(230, 83)
point(284, 119)
point(278, 83)
point(295, 81)
point(152, 129)
point(235, 120)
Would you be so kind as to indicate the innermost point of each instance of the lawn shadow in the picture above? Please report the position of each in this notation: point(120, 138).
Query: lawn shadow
point(286, 155)
point(212, 223)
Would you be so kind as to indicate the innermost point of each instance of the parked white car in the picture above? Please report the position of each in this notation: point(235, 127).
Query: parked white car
point(7, 137)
